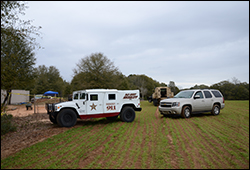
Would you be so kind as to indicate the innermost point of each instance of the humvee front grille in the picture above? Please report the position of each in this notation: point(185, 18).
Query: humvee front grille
point(50, 107)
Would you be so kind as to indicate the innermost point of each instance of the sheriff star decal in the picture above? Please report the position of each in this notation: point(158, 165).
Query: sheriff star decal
point(93, 106)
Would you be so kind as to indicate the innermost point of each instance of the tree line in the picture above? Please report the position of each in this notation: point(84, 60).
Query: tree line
point(231, 90)
point(96, 71)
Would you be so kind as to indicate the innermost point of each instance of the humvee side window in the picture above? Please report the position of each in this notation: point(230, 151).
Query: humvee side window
point(76, 96)
point(82, 96)
point(163, 92)
point(111, 96)
point(93, 97)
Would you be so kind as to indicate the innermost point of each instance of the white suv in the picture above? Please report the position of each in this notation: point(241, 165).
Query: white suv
point(192, 101)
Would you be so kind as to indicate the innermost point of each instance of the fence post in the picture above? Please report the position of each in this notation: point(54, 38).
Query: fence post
point(34, 104)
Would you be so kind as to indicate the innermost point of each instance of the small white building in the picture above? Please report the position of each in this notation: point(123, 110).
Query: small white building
point(17, 96)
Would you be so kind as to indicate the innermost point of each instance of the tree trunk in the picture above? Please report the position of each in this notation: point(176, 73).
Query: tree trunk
point(6, 98)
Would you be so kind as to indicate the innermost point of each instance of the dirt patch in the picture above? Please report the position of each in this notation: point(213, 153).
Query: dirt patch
point(31, 128)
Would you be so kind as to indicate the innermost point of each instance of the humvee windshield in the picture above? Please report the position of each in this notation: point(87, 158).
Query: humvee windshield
point(163, 92)
point(82, 96)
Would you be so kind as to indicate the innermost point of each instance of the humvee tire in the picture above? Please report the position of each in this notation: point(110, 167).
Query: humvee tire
point(127, 114)
point(66, 118)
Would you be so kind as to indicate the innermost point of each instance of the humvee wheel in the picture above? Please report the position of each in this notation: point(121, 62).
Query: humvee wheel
point(66, 118)
point(127, 114)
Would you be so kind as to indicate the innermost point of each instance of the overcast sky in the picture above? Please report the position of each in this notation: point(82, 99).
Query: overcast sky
point(187, 42)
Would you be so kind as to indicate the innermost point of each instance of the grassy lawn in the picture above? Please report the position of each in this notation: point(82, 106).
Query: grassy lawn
point(150, 142)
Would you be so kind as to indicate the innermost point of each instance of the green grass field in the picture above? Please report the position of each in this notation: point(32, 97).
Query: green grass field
point(150, 142)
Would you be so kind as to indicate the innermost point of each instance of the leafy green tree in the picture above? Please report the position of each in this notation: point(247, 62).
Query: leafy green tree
point(240, 90)
point(234, 90)
point(144, 83)
point(202, 86)
point(67, 89)
point(225, 88)
point(48, 78)
point(163, 85)
point(17, 45)
point(17, 61)
point(97, 71)
point(78, 81)
point(124, 83)
point(173, 88)
point(141, 83)
point(243, 91)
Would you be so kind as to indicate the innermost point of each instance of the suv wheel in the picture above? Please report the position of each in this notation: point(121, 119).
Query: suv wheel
point(216, 110)
point(186, 112)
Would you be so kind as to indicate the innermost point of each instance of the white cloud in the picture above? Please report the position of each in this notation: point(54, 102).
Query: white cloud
point(186, 42)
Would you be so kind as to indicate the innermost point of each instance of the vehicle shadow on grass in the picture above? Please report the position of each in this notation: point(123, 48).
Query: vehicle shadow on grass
point(199, 114)
point(96, 121)
point(88, 122)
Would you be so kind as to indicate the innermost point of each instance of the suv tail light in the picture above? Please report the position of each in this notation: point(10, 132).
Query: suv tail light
point(223, 100)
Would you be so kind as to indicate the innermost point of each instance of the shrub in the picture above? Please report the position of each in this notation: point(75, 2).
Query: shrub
point(6, 125)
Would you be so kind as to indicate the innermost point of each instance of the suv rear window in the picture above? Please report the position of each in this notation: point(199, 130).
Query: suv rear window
point(216, 94)
point(207, 94)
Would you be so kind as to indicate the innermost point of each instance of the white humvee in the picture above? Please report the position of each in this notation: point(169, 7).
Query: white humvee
point(95, 103)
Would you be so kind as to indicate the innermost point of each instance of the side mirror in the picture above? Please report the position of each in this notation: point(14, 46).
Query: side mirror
point(197, 96)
